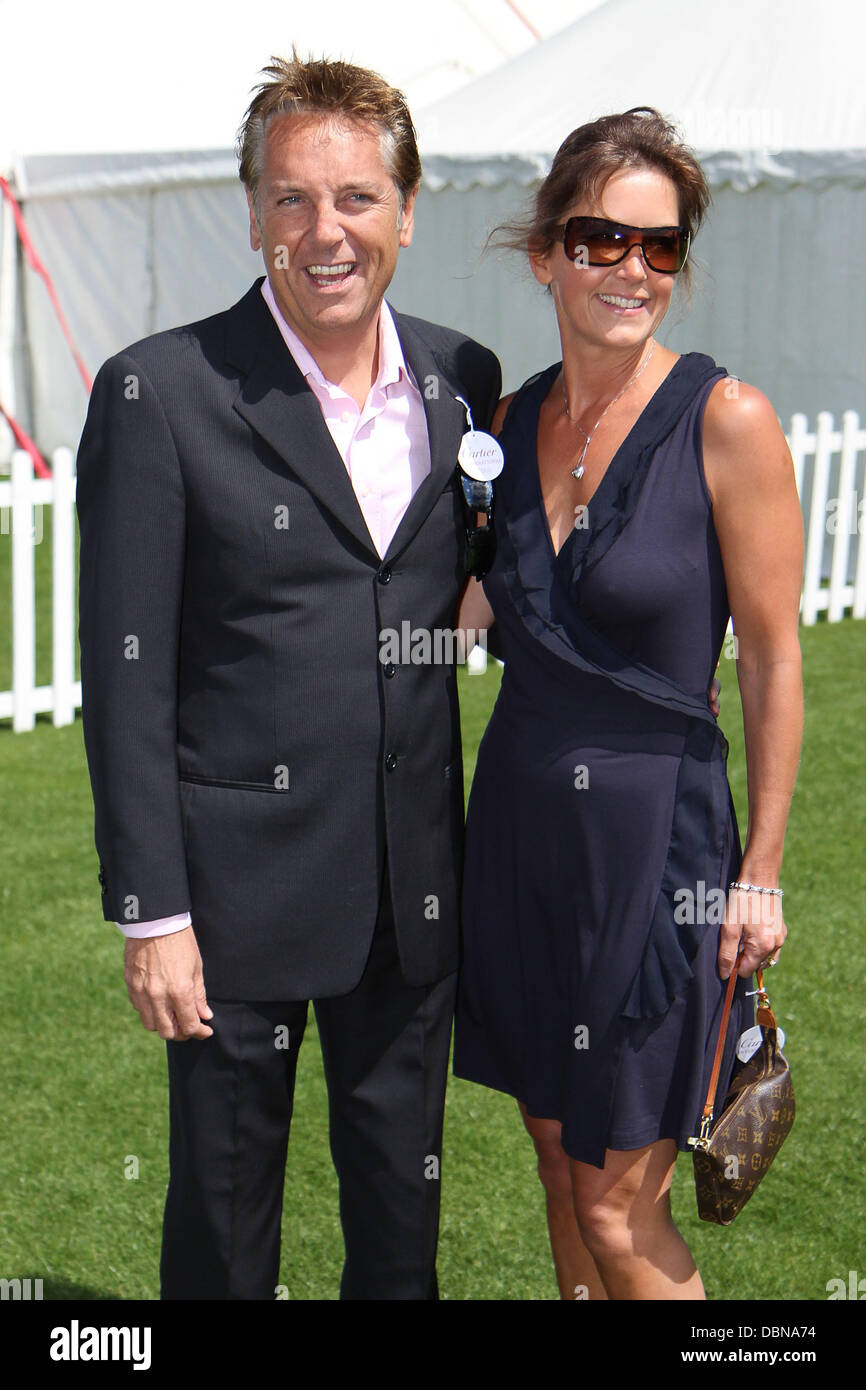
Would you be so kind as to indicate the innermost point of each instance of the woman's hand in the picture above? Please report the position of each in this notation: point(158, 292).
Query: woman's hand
point(753, 922)
point(475, 617)
point(714, 696)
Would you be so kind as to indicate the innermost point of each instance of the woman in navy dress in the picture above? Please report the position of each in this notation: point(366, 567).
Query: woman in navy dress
point(645, 498)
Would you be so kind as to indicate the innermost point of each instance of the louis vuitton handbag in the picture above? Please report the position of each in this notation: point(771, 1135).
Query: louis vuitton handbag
point(732, 1156)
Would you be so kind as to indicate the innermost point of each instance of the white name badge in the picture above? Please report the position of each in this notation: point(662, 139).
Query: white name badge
point(480, 456)
point(751, 1040)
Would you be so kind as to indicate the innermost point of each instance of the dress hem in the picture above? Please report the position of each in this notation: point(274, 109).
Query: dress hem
point(620, 1146)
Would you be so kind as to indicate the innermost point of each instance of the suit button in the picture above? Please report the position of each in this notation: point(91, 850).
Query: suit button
point(390, 671)
point(384, 575)
point(391, 761)
point(101, 874)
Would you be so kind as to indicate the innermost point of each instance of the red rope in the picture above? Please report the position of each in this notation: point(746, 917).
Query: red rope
point(23, 440)
point(36, 264)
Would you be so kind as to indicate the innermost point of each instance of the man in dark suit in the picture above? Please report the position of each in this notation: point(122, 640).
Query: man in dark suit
point(261, 496)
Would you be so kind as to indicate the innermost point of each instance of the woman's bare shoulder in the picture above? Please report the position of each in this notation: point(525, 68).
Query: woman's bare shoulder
point(735, 411)
point(744, 446)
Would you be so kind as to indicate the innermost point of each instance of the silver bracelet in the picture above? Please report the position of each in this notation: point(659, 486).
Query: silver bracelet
point(753, 888)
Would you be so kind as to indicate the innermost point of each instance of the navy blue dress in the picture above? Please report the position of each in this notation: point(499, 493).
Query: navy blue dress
point(589, 988)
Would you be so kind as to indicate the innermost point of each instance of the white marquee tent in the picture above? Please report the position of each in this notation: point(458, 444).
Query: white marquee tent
point(772, 97)
point(116, 131)
point(769, 92)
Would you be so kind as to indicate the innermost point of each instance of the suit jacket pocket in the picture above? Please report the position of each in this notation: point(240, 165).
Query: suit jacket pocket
point(235, 784)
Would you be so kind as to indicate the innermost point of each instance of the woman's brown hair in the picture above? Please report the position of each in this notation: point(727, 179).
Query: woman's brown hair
point(586, 159)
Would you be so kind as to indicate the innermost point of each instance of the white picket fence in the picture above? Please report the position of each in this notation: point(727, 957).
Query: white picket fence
point(834, 512)
point(22, 500)
point(832, 492)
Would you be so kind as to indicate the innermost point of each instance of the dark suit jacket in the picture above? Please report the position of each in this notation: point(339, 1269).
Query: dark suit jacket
point(251, 757)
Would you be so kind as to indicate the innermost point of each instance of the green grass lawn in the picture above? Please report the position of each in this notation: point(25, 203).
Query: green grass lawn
point(84, 1086)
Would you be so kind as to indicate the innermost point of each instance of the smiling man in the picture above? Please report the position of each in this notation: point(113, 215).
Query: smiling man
point(278, 813)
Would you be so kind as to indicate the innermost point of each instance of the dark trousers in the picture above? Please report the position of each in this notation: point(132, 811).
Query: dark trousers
point(385, 1051)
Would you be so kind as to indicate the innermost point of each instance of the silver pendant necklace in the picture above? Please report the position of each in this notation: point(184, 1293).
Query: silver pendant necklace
point(578, 470)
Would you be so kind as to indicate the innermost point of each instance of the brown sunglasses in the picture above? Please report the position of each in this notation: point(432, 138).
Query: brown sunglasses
point(596, 241)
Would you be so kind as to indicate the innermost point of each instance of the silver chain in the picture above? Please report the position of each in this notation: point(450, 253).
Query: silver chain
point(578, 470)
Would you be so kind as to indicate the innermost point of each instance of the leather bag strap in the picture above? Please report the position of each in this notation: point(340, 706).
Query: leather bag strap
point(765, 1019)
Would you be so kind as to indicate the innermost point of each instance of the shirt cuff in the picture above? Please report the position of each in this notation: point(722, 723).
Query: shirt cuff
point(161, 926)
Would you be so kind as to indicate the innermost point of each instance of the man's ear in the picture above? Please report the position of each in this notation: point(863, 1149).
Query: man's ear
point(255, 233)
point(407, 217)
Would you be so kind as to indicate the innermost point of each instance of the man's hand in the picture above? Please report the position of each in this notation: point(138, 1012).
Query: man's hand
point(165, 984)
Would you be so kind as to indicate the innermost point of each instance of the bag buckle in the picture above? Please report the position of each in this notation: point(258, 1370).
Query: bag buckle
point(702, 1140)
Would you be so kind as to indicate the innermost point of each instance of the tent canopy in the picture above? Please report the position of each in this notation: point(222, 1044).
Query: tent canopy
point(771, 95)
point(765, 92)
point(117, 131)
point(83, 79)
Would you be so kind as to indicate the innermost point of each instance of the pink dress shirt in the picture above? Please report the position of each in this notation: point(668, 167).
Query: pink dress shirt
point(384, 446)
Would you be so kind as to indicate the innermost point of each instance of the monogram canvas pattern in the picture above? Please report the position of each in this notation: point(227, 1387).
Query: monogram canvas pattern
point(757, 1116)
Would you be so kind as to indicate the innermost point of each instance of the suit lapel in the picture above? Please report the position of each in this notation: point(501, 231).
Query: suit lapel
point(446, 423)
point(277, 402)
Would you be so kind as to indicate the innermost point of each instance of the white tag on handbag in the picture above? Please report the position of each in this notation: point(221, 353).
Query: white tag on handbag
point(480, 456)
point(750, 1041)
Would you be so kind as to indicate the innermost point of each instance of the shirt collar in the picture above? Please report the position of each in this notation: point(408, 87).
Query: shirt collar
point(392, 363)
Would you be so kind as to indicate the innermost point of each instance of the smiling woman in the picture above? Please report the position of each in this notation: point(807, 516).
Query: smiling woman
point(645, 499)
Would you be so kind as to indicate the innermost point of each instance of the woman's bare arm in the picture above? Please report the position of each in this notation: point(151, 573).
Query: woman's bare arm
point(758, 521)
